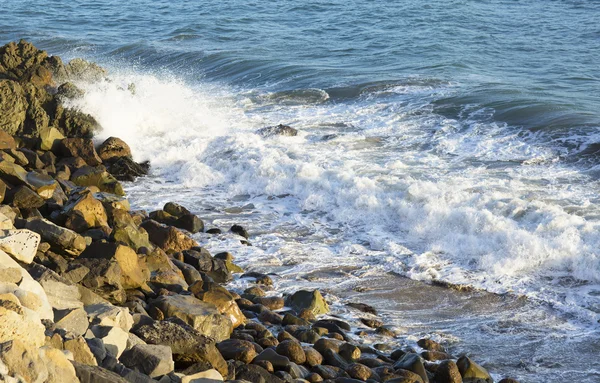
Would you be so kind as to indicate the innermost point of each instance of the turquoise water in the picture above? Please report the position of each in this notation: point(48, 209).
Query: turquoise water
point(454, 141)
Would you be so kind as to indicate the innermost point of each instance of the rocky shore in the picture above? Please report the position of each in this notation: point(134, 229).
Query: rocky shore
point(92, 291)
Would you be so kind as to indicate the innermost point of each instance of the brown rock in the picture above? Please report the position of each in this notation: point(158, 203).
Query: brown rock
point(113, 147)
point(79, 147)
point(168, 237)
point(237, 349)
point(293, 350)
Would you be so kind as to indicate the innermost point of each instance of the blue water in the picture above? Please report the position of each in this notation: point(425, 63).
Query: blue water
point(449, 140)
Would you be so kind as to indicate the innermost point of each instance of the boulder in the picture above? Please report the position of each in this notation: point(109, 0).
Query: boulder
point(64, 239)
point(72, 320)
point(84, 212)
point(61, 293)
point(237, 349)
point(278, 130)
point(17, 322)
point(74, 123)
point(105, 314)
point(222, 299)
point(49, 138)
point(42, 184)
point(114, 338)
point(24, 360)
point(23, 197)
point(60, 369)
point(81, 351)
point(79, 147)
point(208, 376)
point(103, 278)
point(168, 237)
point(6, 140)
point(151, 360)
point(202, 316)
point(95, 374)
point(126, 231)
point(471, 372)
point(188, 345)
point(113, 147)
point(21, 244)
point(447, 372)
point(99, 177)
point(12, 173)
point(413, 363)
point(308, 300)
point(134, 273)
point(126, 169)
point(292, 350)
point(13, 106)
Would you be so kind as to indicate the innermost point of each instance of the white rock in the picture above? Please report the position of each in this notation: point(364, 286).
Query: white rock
point(60, 370)
point(26, 326)
point(21, 244)
point(114, 338)
point(5, 222)
point(105, 314)
point(208, 376)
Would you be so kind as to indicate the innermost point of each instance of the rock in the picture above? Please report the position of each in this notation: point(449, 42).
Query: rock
point(447, 372)
point(95, 374)
point(208, 376)
point(21, 244)
point(84, 212)
point(61, 293)
point(152, 360)
point(99, 177)
point(59, 237)
point(414, 363)
point(237, 349)
point(105, 314)
point(471, 372)
point(79, 147)
point(279, 130)
point(202, 316)
point(81, 351)
point(16, 323)
point(371, 322)
point(126, 169)
point(292, 350)
point(69, 91)
point(23, 360)
point(434, 356)
point(359, 371)
point(430, 345)
point(222, 299)
point(126, 231)
point(255, 374)
point(103, 278)
point(13, 107)
point(49, 138)
point(60, 369)
point(168, 237)
point(23, 197)
point(114, 338)
point(508, 380)
point(134, 273)
point(239, 230)
point(113, 147)
point(277, 361)
point(73, 320)
point(313, 357)
point(77, 124)
point(311, 300)
point(272, 303)
point(7, 141)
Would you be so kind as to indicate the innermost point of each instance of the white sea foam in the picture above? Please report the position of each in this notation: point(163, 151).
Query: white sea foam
point(470, 202)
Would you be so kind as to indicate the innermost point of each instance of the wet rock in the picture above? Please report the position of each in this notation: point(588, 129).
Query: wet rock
point(508, 380)
point(370, 322)
point(254, 373)
point(359, 371)
point(202, 316)
point(414, 363)
point(430, 345)
point(152, 360)
point(447, 372)
point(272, 303)
point(13, 107)
point(113, 147)
point(69, 91)
point(126, 169)
point(222, 299)
point(279, 130)
point(471, 372)
point(237, 349)
point(292, 350)
point(21, 244)
point(434, 356)
point(239, 230)
point(168, 237)
point(311, 300)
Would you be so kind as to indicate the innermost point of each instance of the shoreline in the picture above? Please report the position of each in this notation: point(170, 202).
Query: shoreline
point(104, 293)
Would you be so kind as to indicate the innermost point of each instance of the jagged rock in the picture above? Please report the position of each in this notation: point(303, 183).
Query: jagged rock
point(114, 338)
point(237, 349)
point(204, 317)
point(222, 299)
point(84, 212)
point(152, 360)
point(80, 69)
point(73, 320)
point(12, 173)
point(49, 138)
point(95, 374)
point(79, 147)
point(99, 177)
point(61, 293)
point(6, 140)
point(126, 169)
point(447, 372)
point(279, 130)
point(103, 278)
point(23, 325)
point(21, 244)
point(167, 237)
point(60, 369)
point(471, 372)
point(105, 314)
point(134, 273)
point(60, 237)
point(13, 107)
point(113, 147)
point(126, 231)
point(23, 197)
point(77, 124)
point(254, 373)
point(308, 300)
point(24, 360)
point(188, 345)
point(69, 91)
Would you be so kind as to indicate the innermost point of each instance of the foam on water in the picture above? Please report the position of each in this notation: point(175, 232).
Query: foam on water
point(466, 200)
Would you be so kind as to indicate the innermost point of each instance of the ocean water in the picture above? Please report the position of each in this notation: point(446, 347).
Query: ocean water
point(452, 141)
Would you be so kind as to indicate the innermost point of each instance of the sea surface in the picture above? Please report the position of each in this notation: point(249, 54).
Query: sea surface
point(446, 141)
